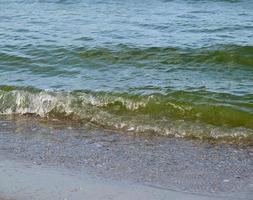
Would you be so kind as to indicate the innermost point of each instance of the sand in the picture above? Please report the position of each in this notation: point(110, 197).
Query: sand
point(20, 180)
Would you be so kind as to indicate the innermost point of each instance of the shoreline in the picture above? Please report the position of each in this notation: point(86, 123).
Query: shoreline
point(183, 167)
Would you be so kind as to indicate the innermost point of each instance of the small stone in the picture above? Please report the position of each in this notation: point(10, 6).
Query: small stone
point(98, 145)
point(226, 181)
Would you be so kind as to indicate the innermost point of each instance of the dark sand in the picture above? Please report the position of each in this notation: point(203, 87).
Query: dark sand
point(162, 166)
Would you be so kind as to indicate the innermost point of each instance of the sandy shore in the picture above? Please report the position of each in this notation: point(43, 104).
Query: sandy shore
point(53, 160)
point(21, 181)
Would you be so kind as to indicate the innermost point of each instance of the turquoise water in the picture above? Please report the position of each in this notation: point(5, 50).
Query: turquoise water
point(182, 67)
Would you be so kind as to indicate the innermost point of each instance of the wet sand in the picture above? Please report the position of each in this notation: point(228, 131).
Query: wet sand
point(39, 156)
point(21, 180)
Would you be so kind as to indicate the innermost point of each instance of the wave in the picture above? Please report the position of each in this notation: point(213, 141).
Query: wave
point(234, 55)
point(197, 114)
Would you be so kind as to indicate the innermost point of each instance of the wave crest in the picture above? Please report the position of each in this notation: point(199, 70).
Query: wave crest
point(173, 114)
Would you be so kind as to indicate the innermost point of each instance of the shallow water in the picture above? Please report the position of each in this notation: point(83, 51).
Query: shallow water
point(181, 67)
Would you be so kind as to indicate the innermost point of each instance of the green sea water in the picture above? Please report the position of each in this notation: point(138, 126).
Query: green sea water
point(177, 67)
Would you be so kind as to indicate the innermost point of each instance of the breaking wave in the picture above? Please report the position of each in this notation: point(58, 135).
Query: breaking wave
point(196, 114)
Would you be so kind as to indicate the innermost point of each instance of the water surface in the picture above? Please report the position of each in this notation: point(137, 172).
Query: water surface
point(182, 67)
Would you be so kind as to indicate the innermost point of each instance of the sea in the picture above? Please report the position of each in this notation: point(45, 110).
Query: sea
point(177, 68)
